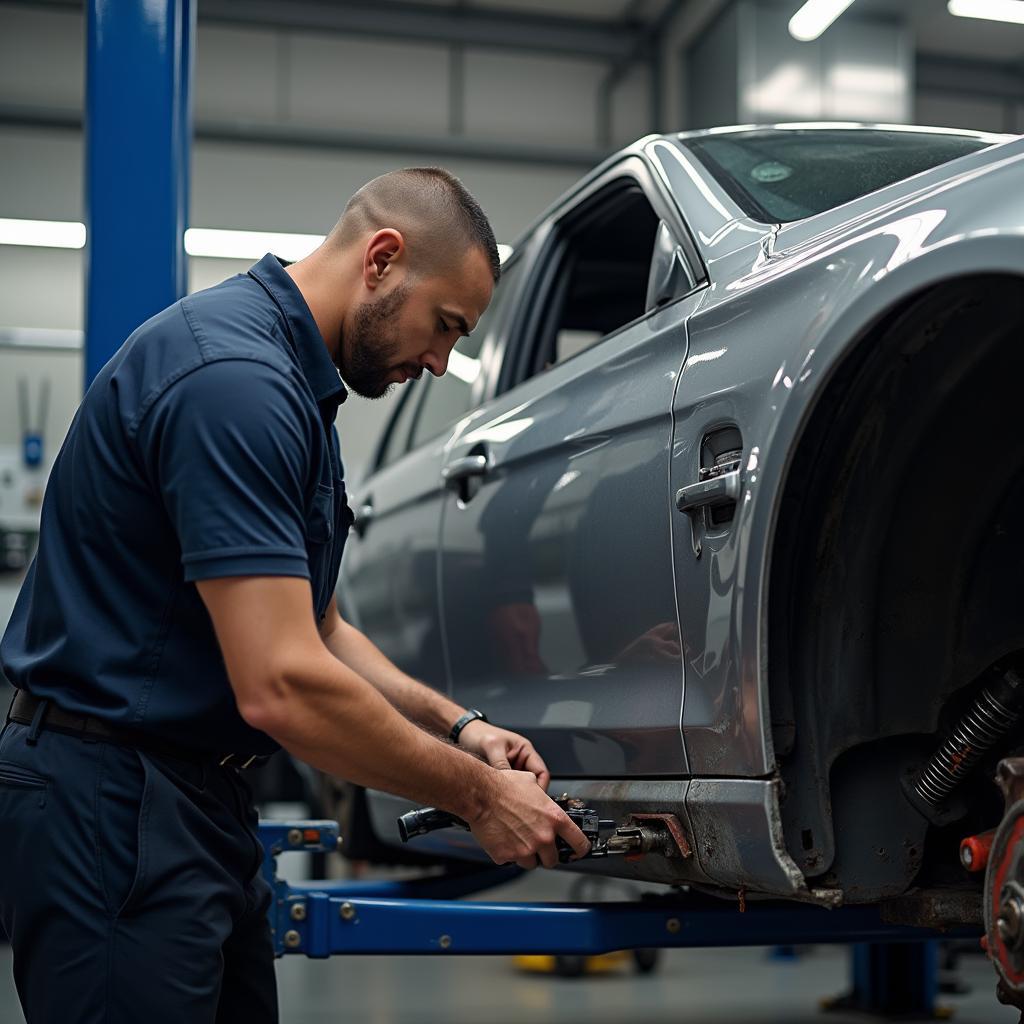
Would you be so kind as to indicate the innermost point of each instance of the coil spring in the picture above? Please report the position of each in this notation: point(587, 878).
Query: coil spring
point(977, 732)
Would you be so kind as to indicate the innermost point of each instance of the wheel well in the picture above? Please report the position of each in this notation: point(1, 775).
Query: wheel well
point(896, 566)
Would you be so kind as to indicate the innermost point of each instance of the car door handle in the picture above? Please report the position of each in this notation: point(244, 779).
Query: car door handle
point(716, 490)
point(464, 468)
point(363, 517)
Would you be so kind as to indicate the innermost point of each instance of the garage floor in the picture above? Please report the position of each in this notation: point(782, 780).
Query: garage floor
point(730, 986)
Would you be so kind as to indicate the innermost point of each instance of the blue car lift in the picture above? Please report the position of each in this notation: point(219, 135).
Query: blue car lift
point(895, 967)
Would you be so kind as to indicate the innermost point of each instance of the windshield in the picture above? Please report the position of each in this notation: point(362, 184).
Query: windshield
point(787, 174)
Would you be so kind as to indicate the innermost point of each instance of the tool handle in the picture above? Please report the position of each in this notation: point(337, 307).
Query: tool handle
point(426, 819)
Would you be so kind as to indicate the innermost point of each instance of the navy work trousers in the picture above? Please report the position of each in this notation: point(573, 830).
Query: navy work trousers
point(130, 886)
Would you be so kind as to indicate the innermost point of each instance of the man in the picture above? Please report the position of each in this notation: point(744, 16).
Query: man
point(179, 620)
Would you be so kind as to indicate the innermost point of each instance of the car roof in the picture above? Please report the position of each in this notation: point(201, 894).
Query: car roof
point(852, 126)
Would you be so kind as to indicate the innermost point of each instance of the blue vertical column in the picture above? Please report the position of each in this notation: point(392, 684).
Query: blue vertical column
point(893, 979)
point(138, 129)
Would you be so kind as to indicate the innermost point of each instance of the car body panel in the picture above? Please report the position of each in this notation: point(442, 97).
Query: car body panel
point(579, 451)
point(568, 526)
point(826, 299)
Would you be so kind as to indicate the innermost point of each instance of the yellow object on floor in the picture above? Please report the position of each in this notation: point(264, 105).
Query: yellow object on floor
point(572, 966)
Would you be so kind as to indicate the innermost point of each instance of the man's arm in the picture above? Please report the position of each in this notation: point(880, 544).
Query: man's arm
point(425, 706)
point(289, 685)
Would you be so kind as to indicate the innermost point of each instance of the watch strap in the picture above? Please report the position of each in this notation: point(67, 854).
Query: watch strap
point(470, 716)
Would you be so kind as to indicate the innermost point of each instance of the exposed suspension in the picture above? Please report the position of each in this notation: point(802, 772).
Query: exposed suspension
point(997, 710)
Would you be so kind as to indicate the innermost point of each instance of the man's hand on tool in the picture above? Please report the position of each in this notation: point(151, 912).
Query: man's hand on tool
point(520, 823)
point(503, 749)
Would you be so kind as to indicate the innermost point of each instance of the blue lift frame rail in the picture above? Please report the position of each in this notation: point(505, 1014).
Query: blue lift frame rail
point(423, 916)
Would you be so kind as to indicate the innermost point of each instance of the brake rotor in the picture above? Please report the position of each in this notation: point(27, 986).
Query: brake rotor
point(1004, 903)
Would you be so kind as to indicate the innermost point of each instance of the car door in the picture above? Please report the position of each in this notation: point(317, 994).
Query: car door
point(556, 566)
point(388, 581)
point(389, 584)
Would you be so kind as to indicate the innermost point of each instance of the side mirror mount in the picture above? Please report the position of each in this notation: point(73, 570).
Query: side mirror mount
point(669, 277)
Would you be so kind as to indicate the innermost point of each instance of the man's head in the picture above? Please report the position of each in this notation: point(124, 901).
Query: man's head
point(418, 265)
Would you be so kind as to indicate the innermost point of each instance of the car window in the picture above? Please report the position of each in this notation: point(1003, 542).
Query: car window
point(451, 396)
point(396, 442)
point(785, 175)
point(599, 282)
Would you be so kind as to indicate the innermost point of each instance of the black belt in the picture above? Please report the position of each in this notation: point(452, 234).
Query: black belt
point(42, 713)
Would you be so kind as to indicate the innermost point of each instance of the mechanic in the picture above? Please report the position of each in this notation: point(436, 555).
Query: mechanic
point(179, 621)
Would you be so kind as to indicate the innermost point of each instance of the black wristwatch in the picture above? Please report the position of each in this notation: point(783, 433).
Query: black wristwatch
point(470, 716)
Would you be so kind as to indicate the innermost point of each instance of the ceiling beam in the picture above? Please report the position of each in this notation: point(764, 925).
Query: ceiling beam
point(415, 22)
point(579, 158)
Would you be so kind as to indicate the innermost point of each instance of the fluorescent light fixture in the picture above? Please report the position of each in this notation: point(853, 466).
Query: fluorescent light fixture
point(814, 17)
point(248, 245)
point(990, 10)
point(215, 243)
point(504, 251)
point(51, 234)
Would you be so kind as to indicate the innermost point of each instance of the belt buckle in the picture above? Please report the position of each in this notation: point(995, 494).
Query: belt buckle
point(227, 761)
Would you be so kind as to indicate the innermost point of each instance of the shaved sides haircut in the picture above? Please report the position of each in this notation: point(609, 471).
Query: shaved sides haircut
point(438, 218)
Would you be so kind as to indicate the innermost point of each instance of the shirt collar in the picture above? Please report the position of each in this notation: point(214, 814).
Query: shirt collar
point(320, 372)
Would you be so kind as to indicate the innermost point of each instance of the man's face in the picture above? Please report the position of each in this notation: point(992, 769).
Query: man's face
point(413, 326)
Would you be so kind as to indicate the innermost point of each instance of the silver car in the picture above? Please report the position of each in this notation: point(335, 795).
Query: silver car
point(722, 506)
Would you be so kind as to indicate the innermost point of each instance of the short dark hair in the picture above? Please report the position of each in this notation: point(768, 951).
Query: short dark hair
point(431, 207)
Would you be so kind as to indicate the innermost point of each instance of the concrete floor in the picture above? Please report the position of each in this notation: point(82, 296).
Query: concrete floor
point(726, 986)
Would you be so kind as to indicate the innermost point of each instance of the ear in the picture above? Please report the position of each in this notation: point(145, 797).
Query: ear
point(384, 248)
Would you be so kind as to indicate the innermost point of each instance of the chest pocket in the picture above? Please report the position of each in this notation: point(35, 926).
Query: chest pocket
point(320, 521)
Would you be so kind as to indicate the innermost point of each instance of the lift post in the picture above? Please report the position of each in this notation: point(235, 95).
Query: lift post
point(894, 965)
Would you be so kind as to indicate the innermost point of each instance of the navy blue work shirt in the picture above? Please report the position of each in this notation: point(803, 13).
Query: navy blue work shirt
point(205, 448)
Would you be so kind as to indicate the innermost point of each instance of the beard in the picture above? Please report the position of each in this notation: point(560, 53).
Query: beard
point(368, 362)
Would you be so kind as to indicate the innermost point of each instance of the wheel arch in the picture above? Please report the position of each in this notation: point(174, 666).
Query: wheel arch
point(867, 349)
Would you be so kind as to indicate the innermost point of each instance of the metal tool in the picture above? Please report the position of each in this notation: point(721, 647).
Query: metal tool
point(429, 819)
point(655, 835)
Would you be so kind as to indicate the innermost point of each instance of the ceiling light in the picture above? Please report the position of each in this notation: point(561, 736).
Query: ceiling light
point(990, 10)
point(52, 234)
point(814, 17)
point(248, 245)
point(213, 243)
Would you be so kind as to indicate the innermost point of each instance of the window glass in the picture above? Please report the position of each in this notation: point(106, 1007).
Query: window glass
point(397, 443)
point(451, 396)
point(785, 175)
point(601, 283)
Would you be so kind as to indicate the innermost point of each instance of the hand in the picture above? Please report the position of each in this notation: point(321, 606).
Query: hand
point(521, 822)
point(503, 749)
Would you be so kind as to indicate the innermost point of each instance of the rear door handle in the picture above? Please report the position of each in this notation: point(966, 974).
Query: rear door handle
point(363, 517)
point(463, 469)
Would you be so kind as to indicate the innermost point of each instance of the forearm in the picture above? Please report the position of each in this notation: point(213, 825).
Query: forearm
point(329, 717)
point(425, 706)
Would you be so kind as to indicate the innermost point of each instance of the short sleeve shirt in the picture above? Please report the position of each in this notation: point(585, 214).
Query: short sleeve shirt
point(205, 448)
